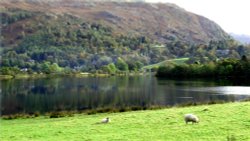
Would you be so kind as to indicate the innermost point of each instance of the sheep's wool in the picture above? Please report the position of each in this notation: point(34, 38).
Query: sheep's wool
point(191, 118)
point(105, 120)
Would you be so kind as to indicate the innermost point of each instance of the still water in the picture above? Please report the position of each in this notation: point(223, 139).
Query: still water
point(70, 93)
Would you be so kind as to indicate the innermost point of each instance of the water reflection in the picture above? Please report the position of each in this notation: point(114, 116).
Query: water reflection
point(225, 90)
point(45, 95)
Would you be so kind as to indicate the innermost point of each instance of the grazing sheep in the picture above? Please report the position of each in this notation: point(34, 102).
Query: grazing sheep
point(105, 120)
point(191, 118)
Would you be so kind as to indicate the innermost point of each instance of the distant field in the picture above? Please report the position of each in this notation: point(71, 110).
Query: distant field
point(220, 122)
point(174, 61)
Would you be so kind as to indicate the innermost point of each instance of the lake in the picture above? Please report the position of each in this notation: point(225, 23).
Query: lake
point(79, 94)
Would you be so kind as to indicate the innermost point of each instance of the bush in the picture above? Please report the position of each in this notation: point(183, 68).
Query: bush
point(60, 114)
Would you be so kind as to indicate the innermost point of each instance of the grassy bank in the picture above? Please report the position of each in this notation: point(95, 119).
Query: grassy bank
point(6, 77)
point(79, 75)
point(171, 61)
point(218, 122)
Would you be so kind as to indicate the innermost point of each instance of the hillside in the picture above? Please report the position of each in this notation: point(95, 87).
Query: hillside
point(161, 22)
point(90, 35)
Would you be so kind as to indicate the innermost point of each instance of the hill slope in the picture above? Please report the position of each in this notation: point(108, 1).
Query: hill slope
point(161, 22)
point(88, 35)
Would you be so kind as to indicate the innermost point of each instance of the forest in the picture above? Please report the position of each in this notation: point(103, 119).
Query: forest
point(69, 44)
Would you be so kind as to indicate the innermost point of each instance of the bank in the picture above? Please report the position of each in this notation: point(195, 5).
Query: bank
point(229, 121)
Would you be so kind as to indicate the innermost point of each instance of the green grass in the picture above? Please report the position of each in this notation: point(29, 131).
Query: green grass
point(6, 77)
point(171, 61)
point(219, 122)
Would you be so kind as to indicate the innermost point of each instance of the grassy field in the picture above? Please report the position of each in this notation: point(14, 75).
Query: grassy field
point(173, 61)
point(220, 122)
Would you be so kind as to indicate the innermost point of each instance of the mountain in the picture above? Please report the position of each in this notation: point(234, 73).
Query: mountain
point(160, 22)
point(244, 39)
point(89, 35)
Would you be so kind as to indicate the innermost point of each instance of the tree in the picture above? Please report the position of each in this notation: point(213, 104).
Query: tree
point(45, 67)
point(9, 70)
point(121, 64)
point(110, 68)
point(139, 65)
point(244, 58)
point(54, 68)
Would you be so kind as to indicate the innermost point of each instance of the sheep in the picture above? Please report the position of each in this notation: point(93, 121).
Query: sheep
point(191, 118)
point(105, 120)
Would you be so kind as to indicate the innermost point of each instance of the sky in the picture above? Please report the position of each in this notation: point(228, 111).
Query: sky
point(232, 15)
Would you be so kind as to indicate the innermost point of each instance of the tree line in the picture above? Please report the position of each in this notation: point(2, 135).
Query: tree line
point(225, 68)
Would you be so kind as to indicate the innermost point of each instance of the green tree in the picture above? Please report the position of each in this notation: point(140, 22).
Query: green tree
point(54, 68)
point(9, 70)
point(45, 67)
point(121, 64)
point(110, 68)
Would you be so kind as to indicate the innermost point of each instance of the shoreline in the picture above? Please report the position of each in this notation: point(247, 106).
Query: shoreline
point(109, 110)
point(85, 74)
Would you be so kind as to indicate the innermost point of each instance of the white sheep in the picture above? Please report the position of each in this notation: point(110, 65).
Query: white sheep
point(105, 120)
point(191, 118)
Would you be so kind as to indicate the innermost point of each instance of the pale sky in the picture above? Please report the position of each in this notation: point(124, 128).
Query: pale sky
point(231, 15)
